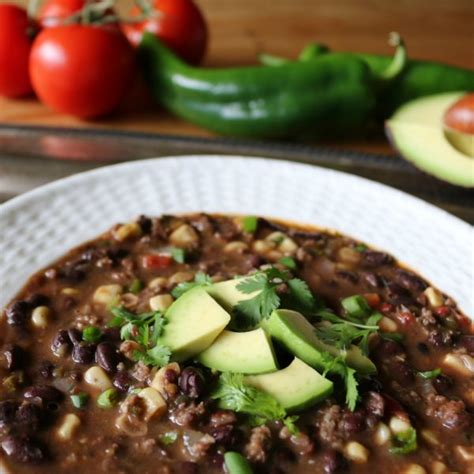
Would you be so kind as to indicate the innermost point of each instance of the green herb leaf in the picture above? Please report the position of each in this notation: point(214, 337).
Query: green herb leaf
point(200, 279)
point(430, 374)
point(179, 255)
point(405, 442)
point(91, 334)
point(356, 306)
point(79, 400)
point(234, 394)
point(360, 248)
point(392, 336)
point(250, 224)
point(108, 399)
point(169, 438)
point(301, 295)
point(136, 286)
point(289, 422)
point(352, 393)
point(288, 262)
point(158, 356)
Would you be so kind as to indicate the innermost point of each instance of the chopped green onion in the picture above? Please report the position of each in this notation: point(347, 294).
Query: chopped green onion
point(356, 306)
point(360, 248)
point(179, 255)
point(430, 374)
point(91, 334)
point(136, 286)
point(289, 262)
point(236, 463)
point(250, 224)
point(108, 399)
point(169, 438)
point(79, 400)
point(405, 442)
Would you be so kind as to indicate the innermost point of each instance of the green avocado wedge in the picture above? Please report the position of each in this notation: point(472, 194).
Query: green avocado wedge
point(416, 130)
point(297, 335)
point(227, 294)
point(248, 352)
point(194, 322)
point(295, 387)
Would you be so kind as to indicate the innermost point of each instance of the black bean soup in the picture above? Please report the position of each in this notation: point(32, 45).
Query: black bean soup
point(87, 387)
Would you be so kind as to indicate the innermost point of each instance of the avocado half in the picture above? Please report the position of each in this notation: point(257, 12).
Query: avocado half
point(416, 130)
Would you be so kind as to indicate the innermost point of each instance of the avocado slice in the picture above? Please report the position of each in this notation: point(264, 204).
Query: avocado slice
point(296, 333)
point(227, 294)
point(295, 387)
point(248, 352)
point(194, 322)
point(416, 131)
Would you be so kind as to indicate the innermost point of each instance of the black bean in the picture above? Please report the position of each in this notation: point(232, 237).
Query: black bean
point(372, 279)
point(332, 461)
point(401, 372)
point(191, 382)
point(37, 299)
point(46, 369)
point(188, 467)
point(15, 357)
point(107, 356)
point(75, 335)
point(29, 417)
point(387, 348)
point(73, 272)
point(61, 344)
point(443, 383)
point(111, 334)
point(171, 376)
point(23, 450)
point(145, 224)
point(217, 460)
point(353, 421)
point(398, 295)
point(224, 434)
point(83, 353)
point(409, 280)
point(8, 409)
point(117, 254)
point(18, 313)
point(423, 348)
point(374, 404)
point(44, 393)
point(467, 342)
point(374, 259)
point(122, 381)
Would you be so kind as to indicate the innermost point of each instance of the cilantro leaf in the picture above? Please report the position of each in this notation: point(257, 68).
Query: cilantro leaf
point(234, 394)
point(405, 442)
point(288, 262)
point(352, 393)
point(158, 356)
point(200, 279)
point(301, 296)
point(430, 374)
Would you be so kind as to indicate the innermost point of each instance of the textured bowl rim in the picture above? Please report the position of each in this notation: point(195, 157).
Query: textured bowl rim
point(457, 225)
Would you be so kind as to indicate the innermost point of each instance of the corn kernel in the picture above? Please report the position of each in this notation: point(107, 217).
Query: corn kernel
point(154, 402)
point(107, 294)
point(236, 246)
point(68, 427)
point(184, 236)
point(356, 452)
point(382, 434)
point(127, 231)
point(39, 316)
point(160, 302)
point(96, 377)
point(414, 469)
point(398, 425)
point(435, 298)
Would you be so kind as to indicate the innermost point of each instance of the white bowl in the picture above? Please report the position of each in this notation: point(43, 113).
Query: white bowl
point(40, 226)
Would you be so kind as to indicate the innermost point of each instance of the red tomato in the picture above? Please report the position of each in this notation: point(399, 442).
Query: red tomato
point(15, 45)
point(179, 23)
point(82, 70)
point(54, 12)
point(155, 262)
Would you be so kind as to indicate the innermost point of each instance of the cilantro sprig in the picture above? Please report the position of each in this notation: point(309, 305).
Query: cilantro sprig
point(266, 285)
point(405, 442)
point(200, 279)
point(145, 329)
point(234, 394)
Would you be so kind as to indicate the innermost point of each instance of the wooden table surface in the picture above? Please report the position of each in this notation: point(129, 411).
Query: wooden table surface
point(239, 30)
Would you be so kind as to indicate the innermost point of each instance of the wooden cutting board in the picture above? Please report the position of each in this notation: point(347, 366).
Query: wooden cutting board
point(239, 30)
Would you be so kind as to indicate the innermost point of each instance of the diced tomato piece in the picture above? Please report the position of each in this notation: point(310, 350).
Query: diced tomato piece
point(386, 307)
point(405, 317)
point(156, 261)
point(442, 310)
point(373, 299)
